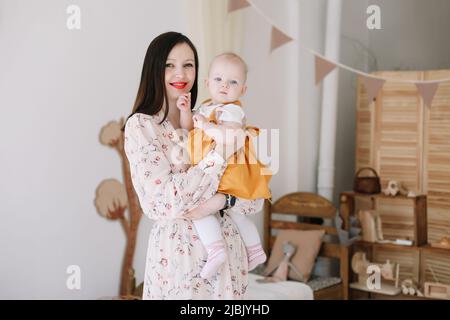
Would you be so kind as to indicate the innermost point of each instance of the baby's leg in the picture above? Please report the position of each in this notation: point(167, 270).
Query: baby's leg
point(250, 236)
point(210, 234)
point(212, 205)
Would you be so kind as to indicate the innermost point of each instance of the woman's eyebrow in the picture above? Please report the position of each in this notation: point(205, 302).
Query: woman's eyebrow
point(191, 60)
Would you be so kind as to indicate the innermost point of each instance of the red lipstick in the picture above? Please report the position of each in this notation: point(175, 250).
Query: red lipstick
point(178, 85)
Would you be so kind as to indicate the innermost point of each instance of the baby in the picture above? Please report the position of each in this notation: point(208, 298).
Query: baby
point(242, 179)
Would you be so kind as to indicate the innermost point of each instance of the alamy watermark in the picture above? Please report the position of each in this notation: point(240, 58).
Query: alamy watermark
point(374, 279)
point(73, 21)
point(73, 281)
point(374, 20)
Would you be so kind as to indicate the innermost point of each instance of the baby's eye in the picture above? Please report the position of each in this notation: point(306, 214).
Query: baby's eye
point(233, 82)
point(218, 79)
point(169, 65)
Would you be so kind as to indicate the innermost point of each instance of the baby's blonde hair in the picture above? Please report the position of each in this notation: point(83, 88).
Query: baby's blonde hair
point(232, 57)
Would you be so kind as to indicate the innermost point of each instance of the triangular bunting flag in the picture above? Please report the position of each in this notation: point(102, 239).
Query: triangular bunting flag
point(373, 86)
point(427, 91)
point(278, 39)
point(234, 5)
point(323, 67)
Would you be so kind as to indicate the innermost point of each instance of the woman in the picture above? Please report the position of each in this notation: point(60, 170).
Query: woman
point(168, 188)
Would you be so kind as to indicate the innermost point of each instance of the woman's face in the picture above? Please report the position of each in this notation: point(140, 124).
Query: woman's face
point(180, 71)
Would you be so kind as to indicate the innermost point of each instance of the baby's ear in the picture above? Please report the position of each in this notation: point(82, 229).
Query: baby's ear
point(206, 82)
point(244, 89)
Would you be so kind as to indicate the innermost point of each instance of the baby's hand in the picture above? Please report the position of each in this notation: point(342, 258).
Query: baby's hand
point(184, 102)
point(199, 121)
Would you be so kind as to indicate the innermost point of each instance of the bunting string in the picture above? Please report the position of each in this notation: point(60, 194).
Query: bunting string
point(368, 75)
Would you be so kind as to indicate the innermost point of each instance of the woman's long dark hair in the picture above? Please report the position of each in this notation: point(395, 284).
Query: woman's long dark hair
point(152, 91)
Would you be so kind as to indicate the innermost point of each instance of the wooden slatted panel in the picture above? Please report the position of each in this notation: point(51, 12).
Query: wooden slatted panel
point(397, 217)
point(399, 131)
point(364, 129)
point(408, 259)
point(439, 262)
point(437, 158)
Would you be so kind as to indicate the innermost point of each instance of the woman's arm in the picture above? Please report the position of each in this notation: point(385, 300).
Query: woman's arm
point(186, 121)
point(162, 193)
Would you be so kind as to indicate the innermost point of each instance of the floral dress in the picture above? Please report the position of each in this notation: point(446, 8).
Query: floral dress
point(168, 187)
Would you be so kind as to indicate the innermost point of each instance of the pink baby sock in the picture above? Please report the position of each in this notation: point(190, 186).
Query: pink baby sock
point(256, 256)
point(216, 257)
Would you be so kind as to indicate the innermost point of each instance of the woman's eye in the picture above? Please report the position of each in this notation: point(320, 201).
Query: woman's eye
point(169, 65)
point(189, 65)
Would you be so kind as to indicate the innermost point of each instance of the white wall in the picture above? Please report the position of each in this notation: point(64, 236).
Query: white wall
point(414, 35)
point(57, 89)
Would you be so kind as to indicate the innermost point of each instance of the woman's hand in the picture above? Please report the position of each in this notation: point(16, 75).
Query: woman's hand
point(195, 214)
point(184, 102)
point(211, 206)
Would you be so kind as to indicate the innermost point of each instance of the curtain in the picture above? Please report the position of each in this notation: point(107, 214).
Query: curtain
point(213, 31)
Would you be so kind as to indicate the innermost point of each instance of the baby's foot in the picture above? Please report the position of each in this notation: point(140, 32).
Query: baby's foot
point(216, 257)
point(256, 256)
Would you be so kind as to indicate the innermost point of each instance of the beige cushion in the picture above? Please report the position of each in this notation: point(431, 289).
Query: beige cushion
point(308, 244)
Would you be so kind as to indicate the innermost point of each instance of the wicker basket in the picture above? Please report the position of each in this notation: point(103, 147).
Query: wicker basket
point(367, 185)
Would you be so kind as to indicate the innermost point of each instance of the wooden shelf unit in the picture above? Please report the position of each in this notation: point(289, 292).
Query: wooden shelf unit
point(414, 260)
point(402, 217)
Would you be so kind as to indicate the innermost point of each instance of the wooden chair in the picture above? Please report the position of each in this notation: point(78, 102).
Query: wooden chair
point(309, 205)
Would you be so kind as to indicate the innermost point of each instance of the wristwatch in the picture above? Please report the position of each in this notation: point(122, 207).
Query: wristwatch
point(229, 203)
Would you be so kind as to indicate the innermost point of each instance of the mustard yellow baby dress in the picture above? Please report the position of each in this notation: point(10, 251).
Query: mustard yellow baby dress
point(242, 178)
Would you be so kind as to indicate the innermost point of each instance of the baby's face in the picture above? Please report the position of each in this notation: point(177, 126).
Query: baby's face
point(226, 81)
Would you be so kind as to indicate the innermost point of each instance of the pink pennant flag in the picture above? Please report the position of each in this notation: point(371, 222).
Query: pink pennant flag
point(323, 67)
point(373, 86)
point(234, 5)
point(278, 39)
point(427, 91)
